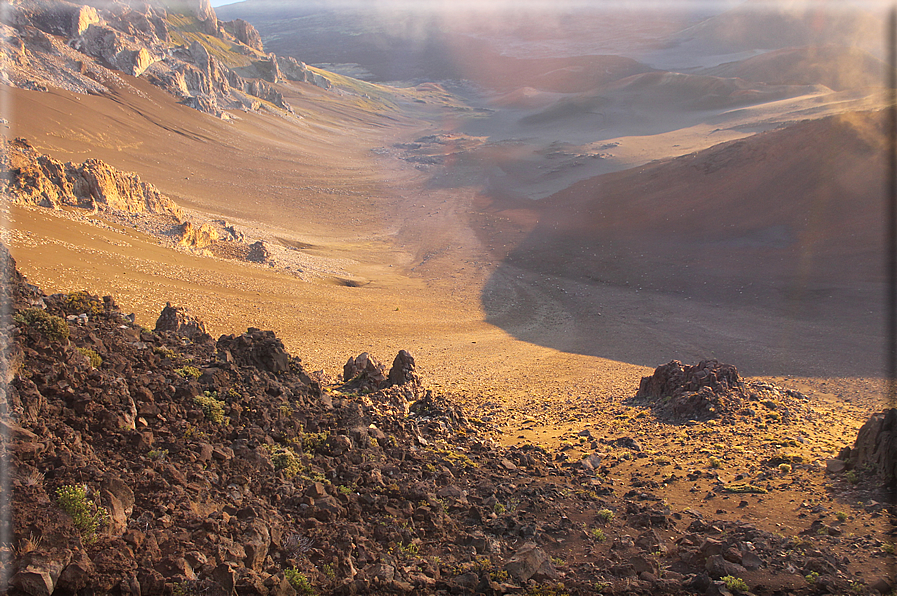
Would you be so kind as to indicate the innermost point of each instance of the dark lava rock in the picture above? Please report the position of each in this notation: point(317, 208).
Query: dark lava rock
point(876, 445)
point(177, 320)
point(693, 392)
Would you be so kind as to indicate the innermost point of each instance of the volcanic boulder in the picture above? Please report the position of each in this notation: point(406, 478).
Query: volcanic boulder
point(261, 349)
point(876, 445)
point(693, 391)
point(364, 373)
point(178, 320)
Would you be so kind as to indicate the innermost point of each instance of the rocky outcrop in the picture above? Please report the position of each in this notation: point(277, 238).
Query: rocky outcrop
point(178, 320)
point(364, 373)
point(81, 48)
point(403, 370)
point(294, 70)
point(190, 236)
point(35, 178)
point(693, 391)
point(258, 252)
point(875, 449)
point(256, 348)
point(244, 33)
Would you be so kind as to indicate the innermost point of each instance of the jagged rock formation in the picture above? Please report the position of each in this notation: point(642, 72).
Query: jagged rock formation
point(81, 48)
point(179, 321)
point(364, 373)
point(258, 253)
point(37, 179)
point(245, 33)
point(692, 391)
point(238, 480)
point(875, 449)
point(403, 370)
point(711, 389)
point(190, 236)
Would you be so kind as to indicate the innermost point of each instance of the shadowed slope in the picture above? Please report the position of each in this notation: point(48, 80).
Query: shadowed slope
point(750, 238)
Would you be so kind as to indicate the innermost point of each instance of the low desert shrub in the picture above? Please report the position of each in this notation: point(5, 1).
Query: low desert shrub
point(95, 359)
point(211, 406)
point(52, 327)
point(86, 515)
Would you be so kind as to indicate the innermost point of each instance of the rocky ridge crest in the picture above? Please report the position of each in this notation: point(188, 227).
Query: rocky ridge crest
point(37, 179)
point(83, 47)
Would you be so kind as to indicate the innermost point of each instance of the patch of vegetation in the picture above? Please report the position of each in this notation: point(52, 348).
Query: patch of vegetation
point(328, 572)
point(852, 476)
point(86, 515)
point(80, 302)
point(841, 516)
point(284, 458)
point(165, 352)
point(735, 583)
point(548, 590)
point(715, 462)
point(605, 515)
point(313, 442)
point(50, 326)
point(812, 577)
point(455, 457)
point(597, 534)
point(784, 468)
point(299, 581)
point(211, 406)
point(95, 359)
point(157, 454)
point(744, 487)
point(188, 372)
point(499, 509)
point(405, 551)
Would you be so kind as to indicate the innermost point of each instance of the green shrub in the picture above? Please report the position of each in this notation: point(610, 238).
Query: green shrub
point(86, 515)
point(299, 582)
point(605, 515)
point(735, 583)
point(744, 488)
point(189, 371)
point(597, 534)
point(52, 327)
point(76, 303)
point(284, 458)
point(212, 407)
point(95, 359)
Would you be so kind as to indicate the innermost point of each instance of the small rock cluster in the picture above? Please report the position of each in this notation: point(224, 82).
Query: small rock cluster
point(713, 390)
point(168, 463)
